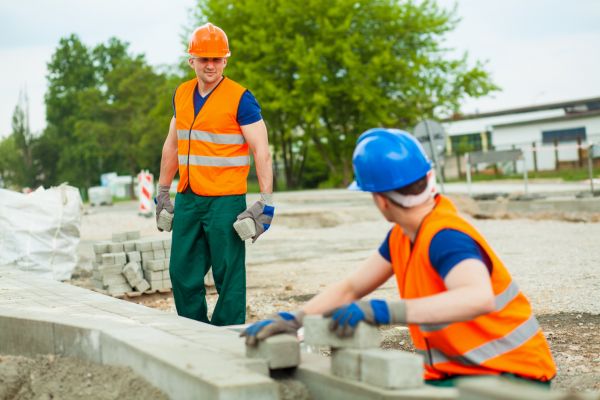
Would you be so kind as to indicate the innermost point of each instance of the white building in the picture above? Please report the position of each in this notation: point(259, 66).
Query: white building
point(550, 135)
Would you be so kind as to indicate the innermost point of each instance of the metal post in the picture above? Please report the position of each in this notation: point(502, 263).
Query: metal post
point(438, 167)
point(468, 162)
point(525, 177)
point(591, 166)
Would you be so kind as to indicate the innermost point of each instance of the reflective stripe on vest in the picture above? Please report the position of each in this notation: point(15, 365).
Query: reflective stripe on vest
point(206, 161)
point(489, 350)
point(217, 138)
point(508, 295)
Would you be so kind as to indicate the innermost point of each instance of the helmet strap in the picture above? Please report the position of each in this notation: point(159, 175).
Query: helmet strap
point(413, 200)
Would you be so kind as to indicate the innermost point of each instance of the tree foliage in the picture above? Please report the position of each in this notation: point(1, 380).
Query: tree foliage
point(326, 70)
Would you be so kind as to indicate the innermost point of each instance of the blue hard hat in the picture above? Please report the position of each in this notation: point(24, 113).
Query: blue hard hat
point(387, 159)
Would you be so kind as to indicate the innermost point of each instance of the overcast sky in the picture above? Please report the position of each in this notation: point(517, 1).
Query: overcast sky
point(537, 50)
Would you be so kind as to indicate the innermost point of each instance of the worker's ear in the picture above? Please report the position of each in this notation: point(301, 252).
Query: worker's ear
point(191, 62)
point(382, 202)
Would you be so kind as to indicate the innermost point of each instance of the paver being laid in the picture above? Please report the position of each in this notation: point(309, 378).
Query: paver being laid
point(317, 333)
point(391, 369)
point(280, 351)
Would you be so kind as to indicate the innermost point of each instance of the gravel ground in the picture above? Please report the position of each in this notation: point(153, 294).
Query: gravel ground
point(319, 236)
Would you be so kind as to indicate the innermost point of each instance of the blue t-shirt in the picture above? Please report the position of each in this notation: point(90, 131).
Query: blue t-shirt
point(248, 109)
point(447, 249)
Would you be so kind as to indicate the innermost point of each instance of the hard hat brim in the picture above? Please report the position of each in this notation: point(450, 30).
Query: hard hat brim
point(354, 187)
point(212, 55)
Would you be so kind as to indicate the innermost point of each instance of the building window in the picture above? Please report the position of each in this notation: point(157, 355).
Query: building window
point(563, 135)
point(462, 144)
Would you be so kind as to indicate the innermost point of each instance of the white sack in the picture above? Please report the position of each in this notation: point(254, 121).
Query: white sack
point(39, 231)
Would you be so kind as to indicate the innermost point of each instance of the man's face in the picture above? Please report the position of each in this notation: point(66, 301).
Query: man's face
point(208, 69)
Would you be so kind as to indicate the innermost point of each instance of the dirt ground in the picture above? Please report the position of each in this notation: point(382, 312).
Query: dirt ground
point(318, 237)
point(49, 377)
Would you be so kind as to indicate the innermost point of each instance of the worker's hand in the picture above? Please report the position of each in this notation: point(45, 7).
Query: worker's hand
point(375, 312)
point(163, 202)
point(261, 212)
point(283, 322)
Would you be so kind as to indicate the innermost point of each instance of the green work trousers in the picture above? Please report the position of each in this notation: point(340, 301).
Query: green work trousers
point(203, 237)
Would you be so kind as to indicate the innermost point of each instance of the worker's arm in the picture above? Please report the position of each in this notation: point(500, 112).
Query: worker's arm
point(371, 274)
point(169, 162)
point(258, 141)
point(368, 277)
point(469, 295)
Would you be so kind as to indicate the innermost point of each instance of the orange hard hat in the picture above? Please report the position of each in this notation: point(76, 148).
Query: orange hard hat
point(209, 41)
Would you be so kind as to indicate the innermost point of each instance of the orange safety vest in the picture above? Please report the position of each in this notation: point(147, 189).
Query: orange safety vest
point(506, 340)
point(213, 155)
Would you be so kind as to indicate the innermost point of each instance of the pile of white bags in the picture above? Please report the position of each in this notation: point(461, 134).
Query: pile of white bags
point(39, 231)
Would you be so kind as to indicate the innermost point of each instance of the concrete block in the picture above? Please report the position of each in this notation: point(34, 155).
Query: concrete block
point(143, 245)
point(133, 235)
point(120, 258)
point(106, 270)
point(157, 245)
point(167, 244)
point(101, 247)
point(115, 247)
point(155, 265)
point(98, 258)
point(133, 273)
point(391, 369)
point(499, 388)
point(166, 275)
point(167, 284)
point(26, 337)
point(153, 275)
point(147, 256)
point(280, 351)
point(142, 286)
point(119, 288)
point(119, 237)
point(134, 256)
point(346, 363)
point(317, 333)
point(160, 254)
point(128, 246)
point(113, 280)
point(155, 285)
point(108, 259)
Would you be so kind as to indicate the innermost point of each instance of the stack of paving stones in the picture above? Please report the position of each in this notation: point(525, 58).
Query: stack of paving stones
point(358, 358)
point(130, 265)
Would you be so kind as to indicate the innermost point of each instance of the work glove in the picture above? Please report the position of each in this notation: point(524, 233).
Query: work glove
point(261, 212)
point(282, 322)
point(163, 202)
point(345, 319)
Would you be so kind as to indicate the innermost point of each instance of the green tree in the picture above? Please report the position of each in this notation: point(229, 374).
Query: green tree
point(8, 160)
point(326, 70)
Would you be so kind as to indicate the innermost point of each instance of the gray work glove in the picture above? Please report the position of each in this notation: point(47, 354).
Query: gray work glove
point(345, 319)
point(163, 202)
point(261, 212)
point(282, 322)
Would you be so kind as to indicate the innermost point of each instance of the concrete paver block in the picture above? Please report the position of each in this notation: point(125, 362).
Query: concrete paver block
point(108, 259)
point(147, 255)
point(101, 247)
point(133, 273)
point(98, 258)
point(120, 258)
point(134, 256)
point(280, 351)
point(128, 246)
point(153, 275)
point(317, 333)
point(160, 254)
point(105, 270)
point(115, 247)
point(142, 286)
point(391, 369)
point(346, 363)
point(167, 244)
point(143, 245)
point(119, 237)
point(167, 284)
point(166, 274)
point(157, 245)
point(133, 235)
point(155, 265)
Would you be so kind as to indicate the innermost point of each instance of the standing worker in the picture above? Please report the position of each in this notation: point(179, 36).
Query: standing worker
point(466, 314)
point(216, 123)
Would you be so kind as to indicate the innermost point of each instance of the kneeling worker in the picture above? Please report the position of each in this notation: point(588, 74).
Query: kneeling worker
point(466, 314)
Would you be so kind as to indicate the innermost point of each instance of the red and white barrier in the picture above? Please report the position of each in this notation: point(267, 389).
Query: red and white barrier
point(145, 192)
